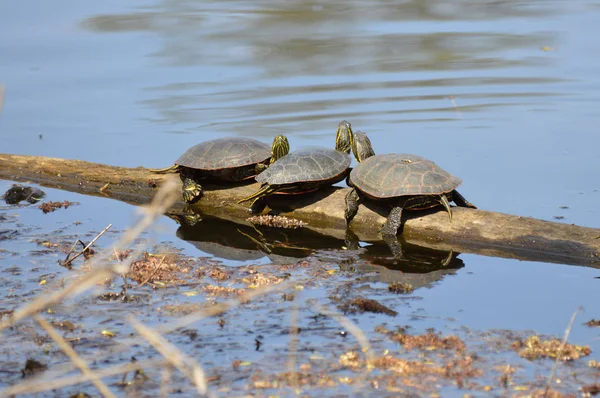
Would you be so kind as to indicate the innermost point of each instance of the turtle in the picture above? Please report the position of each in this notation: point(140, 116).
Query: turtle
point(407, 182)
point(224, 159)
point(305, 170)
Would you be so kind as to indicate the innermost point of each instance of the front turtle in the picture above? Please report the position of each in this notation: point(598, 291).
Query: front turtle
point(224, 159)
point(407, 182)
point(305, 170)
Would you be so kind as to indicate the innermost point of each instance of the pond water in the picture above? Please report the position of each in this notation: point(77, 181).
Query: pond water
point(503, 94)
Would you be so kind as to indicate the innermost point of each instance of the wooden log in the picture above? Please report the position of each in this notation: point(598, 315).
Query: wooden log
point(471, 231)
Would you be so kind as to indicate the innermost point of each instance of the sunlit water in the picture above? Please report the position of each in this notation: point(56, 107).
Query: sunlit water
point(503, 94)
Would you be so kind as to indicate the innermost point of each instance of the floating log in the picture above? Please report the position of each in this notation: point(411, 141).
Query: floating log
point(471, 231)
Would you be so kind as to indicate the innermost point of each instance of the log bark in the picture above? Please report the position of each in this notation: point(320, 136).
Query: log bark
point(471, 231)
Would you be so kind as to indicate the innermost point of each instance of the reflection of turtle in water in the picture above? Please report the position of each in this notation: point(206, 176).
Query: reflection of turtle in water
point(242, 242)
point(406, 257)
point(224, 159)
point(407, 182)
point(305, 170)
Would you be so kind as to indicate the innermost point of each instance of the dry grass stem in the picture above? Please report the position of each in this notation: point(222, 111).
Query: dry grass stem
point(165, 380)
point(76, 359)
point(293, 345)
point(560, 351)
point(2, 94)
point(186, 365)
point(51, 381)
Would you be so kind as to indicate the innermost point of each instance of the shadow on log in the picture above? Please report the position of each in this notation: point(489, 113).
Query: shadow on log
point(471, 231)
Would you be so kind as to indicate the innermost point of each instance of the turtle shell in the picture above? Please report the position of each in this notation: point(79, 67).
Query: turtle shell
point(392, 175)
point(306, 165)
point(225, 153)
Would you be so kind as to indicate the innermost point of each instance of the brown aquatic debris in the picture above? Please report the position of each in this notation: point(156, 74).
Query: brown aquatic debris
point(154, 269)
point(32, 367)
point(534, 348)
point(49, 207)
point(259, 279)
point(428, 342)
point(360, 304)
point(352, 360)
point(267, 220)
point(546, 393)
point(591, 389)
point(294, 379)
point(401, 288)
point(404, 367)
point(219, 274)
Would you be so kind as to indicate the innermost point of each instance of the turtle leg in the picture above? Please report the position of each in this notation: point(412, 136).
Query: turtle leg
point(191, 190)
point(190, 217)
point(444, 202)
point(393, 222)
point(258, 205)
point(348, 182)
point(461, 201)
point(395, 246)
point(260, 167)
point(351, 241)
point(352, 203)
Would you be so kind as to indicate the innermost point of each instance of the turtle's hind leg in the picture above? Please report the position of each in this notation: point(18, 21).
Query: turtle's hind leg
point(170, 169)
point(393, 222)
point(352, 203)
point(461, 201)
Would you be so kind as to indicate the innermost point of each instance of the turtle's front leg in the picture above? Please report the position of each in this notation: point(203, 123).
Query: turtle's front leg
point(260, 167)
point(394, 220)
point(352, 203)
point(191, 190)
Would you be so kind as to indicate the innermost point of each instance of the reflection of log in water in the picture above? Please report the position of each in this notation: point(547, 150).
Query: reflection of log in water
point(419, 266)
point(471, 231)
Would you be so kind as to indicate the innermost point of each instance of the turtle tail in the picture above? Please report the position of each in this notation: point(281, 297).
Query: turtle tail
point(170, 169)
point(261, 193)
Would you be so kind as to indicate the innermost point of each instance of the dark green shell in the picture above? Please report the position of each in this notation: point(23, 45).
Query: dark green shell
point(388, 176)
point(306, 165)
point(225, 153)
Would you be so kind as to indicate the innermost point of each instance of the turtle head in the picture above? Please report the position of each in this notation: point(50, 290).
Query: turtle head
point(280, 147)
point(361, 146)
point(343, 137)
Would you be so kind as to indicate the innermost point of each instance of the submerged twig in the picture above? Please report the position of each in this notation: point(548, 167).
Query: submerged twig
point(76, 359)
point(68, 260)
point(560, 350)
point(186, 365)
